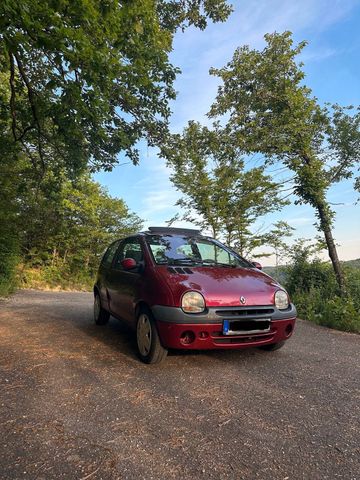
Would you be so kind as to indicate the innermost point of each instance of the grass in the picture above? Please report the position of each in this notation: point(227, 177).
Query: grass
point(51, 278)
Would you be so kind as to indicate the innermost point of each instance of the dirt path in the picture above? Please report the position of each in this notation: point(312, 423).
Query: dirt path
point(75, 402)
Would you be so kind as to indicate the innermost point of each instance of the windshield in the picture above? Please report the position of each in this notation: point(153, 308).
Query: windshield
point(184, 250)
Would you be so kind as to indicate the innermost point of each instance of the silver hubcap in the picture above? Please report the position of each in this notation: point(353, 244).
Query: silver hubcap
point(96, 307)
point(143, 333)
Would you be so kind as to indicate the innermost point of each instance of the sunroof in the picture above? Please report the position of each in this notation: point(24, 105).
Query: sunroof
point(172, 230)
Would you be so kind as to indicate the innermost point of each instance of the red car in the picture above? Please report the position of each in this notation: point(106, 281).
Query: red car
point(182, 290)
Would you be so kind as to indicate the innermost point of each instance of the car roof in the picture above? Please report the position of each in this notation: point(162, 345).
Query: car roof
point(166, 231)
point(172, 231)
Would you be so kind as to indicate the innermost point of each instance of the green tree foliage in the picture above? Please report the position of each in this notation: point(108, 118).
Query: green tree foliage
point(67, 226)
point(276, 239)
point(88, 79)
point(81, 81)
point(269, 110)
point(9, 243)
point(219, 192)
point(174, 14)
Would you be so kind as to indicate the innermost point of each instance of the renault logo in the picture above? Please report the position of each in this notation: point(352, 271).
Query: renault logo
point(242, 300)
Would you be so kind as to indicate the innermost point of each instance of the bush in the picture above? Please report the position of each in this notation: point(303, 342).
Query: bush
point(54, 278)
point(339, 313)
point(313, 288)
point(8, 262)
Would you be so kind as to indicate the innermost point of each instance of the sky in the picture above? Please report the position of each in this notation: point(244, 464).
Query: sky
point(332, 67)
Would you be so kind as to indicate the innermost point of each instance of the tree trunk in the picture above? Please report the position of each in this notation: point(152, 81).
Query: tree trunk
point(325, 225)
point(214, 231)
point(276, 262)
point(54, 256)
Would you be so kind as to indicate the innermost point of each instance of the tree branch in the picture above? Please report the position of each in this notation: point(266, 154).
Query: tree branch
point(31, 97)
point(13, 96)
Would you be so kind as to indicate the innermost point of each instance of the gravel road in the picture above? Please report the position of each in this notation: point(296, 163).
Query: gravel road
point(76, 403)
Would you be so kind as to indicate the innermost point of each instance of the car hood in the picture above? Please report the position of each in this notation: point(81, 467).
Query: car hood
point(221, 286)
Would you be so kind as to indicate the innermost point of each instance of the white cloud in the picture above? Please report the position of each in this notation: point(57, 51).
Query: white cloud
point(159, 200)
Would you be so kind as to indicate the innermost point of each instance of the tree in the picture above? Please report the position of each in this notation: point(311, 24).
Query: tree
point(270, 111)
point(225, 196)
point(276, 240)
point(9, 243)
point(87, 79)
point(68, 225)
point(81, 81)
point(10, 172)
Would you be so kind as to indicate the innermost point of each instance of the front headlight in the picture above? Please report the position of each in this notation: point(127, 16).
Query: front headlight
point(281, 300)
point(193, 302)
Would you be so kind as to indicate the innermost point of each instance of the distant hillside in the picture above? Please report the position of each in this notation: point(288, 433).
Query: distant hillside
point(269, 270)
point(272, 270)
point(279, 274)
point(276, 273)
point(353, 263)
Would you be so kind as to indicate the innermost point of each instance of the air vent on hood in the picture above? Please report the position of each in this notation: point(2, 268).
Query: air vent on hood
point(182, 271)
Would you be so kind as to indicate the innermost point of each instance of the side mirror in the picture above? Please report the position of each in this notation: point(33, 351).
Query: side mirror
point(128, 263)
point(257, 265)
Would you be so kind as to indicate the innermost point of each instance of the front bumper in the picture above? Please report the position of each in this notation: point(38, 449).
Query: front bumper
point(205, 331)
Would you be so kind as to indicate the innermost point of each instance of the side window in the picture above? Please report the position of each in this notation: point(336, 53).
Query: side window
point(109, 254)
point(130, 248)
point(213, 252)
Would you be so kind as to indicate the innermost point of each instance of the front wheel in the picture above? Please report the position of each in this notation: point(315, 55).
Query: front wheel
point(147, 338)
point(101, 316)
point(273, 346)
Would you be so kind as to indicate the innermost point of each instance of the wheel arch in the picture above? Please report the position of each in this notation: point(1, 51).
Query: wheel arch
point(141, 305)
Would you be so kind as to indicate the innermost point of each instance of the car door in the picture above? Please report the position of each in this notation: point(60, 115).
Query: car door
point(123, 284)
point(103, 273)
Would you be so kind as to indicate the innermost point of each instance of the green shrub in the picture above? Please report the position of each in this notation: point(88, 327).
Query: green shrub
point(352, 274)
point(313, 288)
point(339, 313)
point(8, 261)
point(55, 278)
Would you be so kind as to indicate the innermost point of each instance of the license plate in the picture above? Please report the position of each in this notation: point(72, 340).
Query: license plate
point(245, 327)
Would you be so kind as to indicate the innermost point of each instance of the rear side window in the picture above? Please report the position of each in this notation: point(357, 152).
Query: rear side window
point(109, 254)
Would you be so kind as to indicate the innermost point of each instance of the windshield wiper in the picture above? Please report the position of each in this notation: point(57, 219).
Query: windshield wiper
point(217, 264)
point(185, 261)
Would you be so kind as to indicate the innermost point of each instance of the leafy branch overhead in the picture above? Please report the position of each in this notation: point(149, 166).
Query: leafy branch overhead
point(87, 79)
point(81, 83)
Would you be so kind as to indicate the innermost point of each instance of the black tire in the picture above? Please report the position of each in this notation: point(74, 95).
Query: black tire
point(101, 316)
point(148, 342)
point(273, 346)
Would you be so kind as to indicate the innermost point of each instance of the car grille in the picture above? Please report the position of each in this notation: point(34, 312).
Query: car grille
point(254, 338)
point(246, 312)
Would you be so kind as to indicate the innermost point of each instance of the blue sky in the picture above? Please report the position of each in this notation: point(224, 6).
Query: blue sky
point(332, 66)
